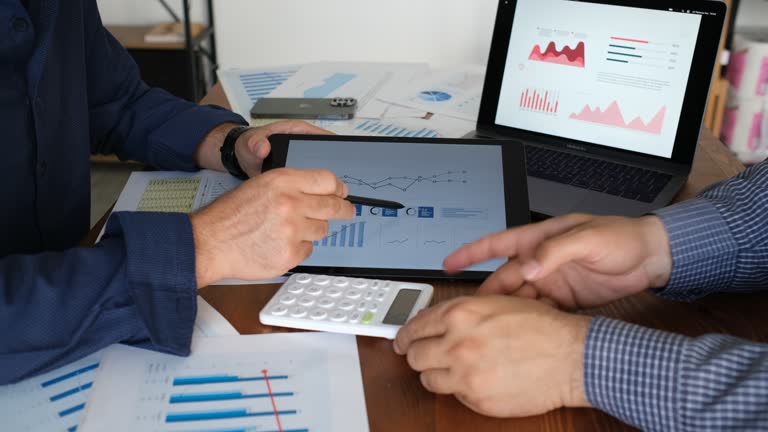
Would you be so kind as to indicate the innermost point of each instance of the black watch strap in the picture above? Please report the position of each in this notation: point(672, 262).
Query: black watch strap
point(228, 157)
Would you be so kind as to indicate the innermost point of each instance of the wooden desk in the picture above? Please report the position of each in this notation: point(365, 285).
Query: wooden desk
point(395, 398)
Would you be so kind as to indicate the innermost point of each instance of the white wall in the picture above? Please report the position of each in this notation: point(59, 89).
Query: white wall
point(752, 14)
point(144, 12)
point(276, 32)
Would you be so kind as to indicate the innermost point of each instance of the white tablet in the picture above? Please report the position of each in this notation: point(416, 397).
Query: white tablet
point(454, 191)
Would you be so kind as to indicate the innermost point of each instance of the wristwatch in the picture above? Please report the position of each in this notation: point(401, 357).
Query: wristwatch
point(228, 157)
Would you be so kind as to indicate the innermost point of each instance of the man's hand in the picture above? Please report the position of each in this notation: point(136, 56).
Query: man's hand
point(576, 260)
point(500, 356)
point(252, 147)
point(266, 226)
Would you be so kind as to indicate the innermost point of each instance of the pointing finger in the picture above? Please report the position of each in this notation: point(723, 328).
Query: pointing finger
point(510, 243)
point(558, 251)
point(506, 280)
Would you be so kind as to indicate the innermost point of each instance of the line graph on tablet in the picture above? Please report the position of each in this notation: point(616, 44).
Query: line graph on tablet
point(453, 194)
point(404, 183)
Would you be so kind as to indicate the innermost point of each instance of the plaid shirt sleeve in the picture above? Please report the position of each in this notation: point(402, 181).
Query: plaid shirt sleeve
point(719, 241)
point(660, 381)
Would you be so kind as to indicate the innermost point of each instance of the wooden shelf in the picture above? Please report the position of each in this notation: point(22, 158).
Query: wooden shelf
point(132, 37)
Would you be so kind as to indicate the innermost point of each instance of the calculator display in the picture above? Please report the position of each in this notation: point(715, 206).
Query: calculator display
point(402, 307)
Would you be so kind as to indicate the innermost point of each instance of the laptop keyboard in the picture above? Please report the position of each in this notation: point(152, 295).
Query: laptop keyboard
point(615, 179)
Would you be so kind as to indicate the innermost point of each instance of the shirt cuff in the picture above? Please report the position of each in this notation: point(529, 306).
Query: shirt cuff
point(173, 146)
point(160, 268)
point(632, 373)
point(704, 251)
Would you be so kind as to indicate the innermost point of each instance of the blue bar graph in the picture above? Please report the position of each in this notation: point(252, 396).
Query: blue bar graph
point(351, 235)
point(220, 396)
point(343, 239)
point(362, 233)
point(72, 410)
point(378, 127)
point(70, 375)
point(259, 85)
point(70, 392)
point(221, 414)
point(218, 379)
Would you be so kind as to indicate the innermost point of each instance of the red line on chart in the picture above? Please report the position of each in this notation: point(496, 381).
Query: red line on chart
point(629, 40)
point(272, 398)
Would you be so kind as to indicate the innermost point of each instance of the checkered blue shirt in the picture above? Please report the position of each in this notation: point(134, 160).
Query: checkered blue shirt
point(661, 381)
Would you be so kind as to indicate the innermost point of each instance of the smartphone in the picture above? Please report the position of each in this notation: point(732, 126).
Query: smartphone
point(305, 108)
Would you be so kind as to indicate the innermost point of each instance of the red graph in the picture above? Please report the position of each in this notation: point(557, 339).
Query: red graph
point(272, 399)
point(612, 116)
point(539, 101)
point(567, 56)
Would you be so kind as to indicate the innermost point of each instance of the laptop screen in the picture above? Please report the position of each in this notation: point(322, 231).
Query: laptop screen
point(603, 74)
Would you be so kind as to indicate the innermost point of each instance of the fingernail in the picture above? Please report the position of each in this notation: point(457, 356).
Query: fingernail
point(396, 347)
point(530, 270)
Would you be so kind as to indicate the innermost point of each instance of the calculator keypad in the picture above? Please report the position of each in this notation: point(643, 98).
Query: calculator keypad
point(338, 299)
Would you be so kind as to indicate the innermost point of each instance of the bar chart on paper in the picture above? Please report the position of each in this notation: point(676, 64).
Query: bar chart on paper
point(383, 128)
point(54, 401)
point(241, 383)
point(246, 86)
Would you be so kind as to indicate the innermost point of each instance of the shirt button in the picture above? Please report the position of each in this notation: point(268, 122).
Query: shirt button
point(42, 167)
point(20, 25)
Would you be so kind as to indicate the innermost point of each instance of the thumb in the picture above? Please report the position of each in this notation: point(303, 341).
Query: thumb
point(556, 252)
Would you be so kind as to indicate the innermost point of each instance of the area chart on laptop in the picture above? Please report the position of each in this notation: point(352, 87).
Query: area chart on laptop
point(598, 73)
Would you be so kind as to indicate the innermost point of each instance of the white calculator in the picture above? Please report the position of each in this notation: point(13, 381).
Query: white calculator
point(364, 307)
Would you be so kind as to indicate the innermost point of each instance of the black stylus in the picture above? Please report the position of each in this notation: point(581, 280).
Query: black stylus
point(372, 202)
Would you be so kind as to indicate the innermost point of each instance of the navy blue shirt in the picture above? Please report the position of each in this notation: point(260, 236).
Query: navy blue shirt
point(68, 89)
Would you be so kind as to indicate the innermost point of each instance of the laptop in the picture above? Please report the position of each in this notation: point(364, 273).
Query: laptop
point(607, 96)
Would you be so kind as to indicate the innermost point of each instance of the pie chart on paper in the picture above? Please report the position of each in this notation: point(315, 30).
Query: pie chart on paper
point(434, 96)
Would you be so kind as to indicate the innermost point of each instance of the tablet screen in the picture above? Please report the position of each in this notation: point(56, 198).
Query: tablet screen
point(453, 195)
